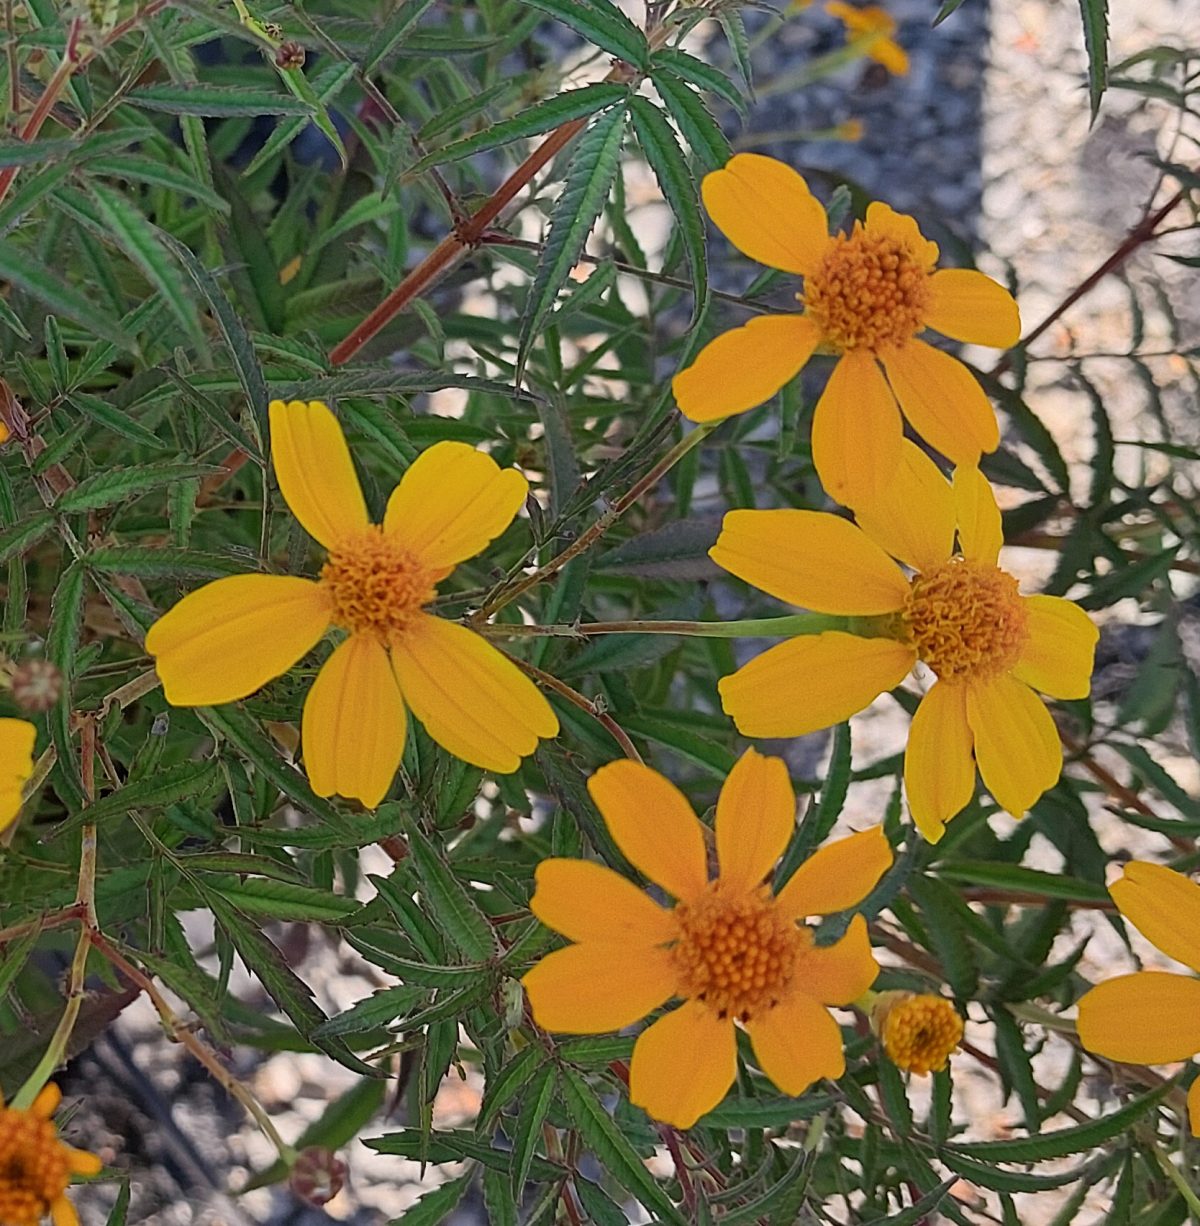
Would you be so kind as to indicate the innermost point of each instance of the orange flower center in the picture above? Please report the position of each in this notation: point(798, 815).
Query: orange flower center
point(34, 1167)
point(920, 1032)
point(869, 292)
point(735, 953)
point(376, 586)
point(966, 621)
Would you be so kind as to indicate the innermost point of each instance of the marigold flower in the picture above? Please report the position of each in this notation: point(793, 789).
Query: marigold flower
point(866, 296)
point(232, 636)
point(918, 1032)
point(874, 27)
point(730, 948)
point(36, 1167)
point(1151, 1017)
point(17, 737)
point(958, 614)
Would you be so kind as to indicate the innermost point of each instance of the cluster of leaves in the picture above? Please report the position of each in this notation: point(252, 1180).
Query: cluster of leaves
point(189, 235)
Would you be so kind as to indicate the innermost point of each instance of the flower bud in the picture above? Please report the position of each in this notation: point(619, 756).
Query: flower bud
point(289, 55)
point(318, 1176)
point(918, 1032)
point(36, 685)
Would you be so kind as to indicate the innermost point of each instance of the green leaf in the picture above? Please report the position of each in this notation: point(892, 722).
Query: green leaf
point(452, 907)
point(378, 1010)
point(506, 1084)
point(393, 33)
point(325, 89)
point(17, 538)
point(700, 74)
point(285, 900)
point(437, 1205)
point(162, 562)
point(920, 1210)
point(1129, 579)
point(601, 22)
point(1017, 877)
point(701, 131)
point(1095, 39)
point(455, 1146)
point(942, 908)
point(589, 180)
point(102, 489)
point(156, 171)
point(120, 1210)
point(527, 1132)
point(214, 101)
point(166, 786)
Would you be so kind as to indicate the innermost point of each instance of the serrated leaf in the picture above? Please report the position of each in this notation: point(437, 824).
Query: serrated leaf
point(161, 562)
point(527, 1131)
point(1129, 579)
point(699, 73)
point(437, 1205)
point(285, 900)
point(920, 1210)
point(166, 786)
point(502, 1088)
point(102, 489)
point(215, 101)
point(942, 908)
point(18, 537)
point(602, 23)
point(1095, 39)
point(393, 32)
point(701, 131)
point(120, 1210)
point(455, 1146)
point(325, 87)
point(451, 906)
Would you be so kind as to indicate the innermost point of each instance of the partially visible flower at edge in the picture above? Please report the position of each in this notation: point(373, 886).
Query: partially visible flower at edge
point(230, 637)
point(730, 948)
point(959, 614)
point(1151, 1017)
point(919, 1031)
point(36, 1167)
point(866, 296)
point(874, 26)
point(17, 737)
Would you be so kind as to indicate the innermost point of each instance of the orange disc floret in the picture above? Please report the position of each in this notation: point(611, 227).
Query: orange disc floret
point(918, 1032)
point(375, 585)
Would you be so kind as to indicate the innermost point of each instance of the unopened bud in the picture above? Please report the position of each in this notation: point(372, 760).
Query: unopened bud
point(289, 55)
point(36, 685)
point(318, 1176)
point(918, 1032)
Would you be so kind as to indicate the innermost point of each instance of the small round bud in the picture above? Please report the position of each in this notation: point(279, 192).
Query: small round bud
point(289, 55)
point(273, 29)
point(918, 1032)
point(318, 1176)
point(36, 685)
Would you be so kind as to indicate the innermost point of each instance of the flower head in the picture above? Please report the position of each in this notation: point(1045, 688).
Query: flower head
point(873, 27)
point(957, 613)
point(731, 948)
point(867, 296)
point(36, 1167)
point(231, 637)
point(918, 1032)
point(17, 738)
point(1151, 1017)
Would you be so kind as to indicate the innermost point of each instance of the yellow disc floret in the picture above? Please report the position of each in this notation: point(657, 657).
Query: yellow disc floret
point(870, 291)
point(966, 620)
point(918, 1032)
point(736, 952)
point(375, 585)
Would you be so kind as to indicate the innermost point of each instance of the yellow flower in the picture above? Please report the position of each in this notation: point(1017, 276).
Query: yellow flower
point(730, 948)
point(874, 27)
point(16, 765)
point(231, 637)
point(959, 614)
point(36, 1167)
point(1151, 1017)
point(866, 296)
point(918, 1032)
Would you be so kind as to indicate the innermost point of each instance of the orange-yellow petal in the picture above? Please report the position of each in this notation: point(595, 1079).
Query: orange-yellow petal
point(1058, 655)
point(943, 401)
point(598, 986)
point(80, 1162)
point(47, 1100)
point(589, 902)
point(1193, 1107)
point(856, 431)
point(756, 816)
point(797, 1043)
point(1016, 742)
point(1164, 906)
point(1149, 1017)
point(839, 973)
point(230, 637)
point(767, 212)
point(939, 764)
point(744, 367)
point(812, 682)
point(884, 220)
point(452, 503)
point(314, 470)
point(837, 876)
point(17, 737)
point(913, 519)
point(969, 306)
point(812, 559)
point(653, 825)
point(683, 1065)
point(980, 531)
point(354, 723)
point(473, 700)
point(62, 1212)
point(891, 55)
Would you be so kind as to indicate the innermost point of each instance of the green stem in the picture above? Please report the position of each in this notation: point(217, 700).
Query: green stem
point(755, 627)
point(1175, 1175)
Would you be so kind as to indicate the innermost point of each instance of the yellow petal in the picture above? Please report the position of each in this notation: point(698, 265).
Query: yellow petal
point(1058, 654)
point(856, 431)
point(452, 503)
point(474, 701)
point(812, 559)
point(969, 306)
point(589, 902)
point(913, 519)
point(943, 401)
point(230, 637)
point(839, 973)
point(744, 367)
point(598, 986)
point(980, 531)
point(354, 723)
point(939, 765)
point(653, 824)
point(46, 1102)
point(683, 1065)
point(1016, 743)
point(892, 56)
point(837, 876)
point(17, 737)
point(1149, 1017)
point(883, 219)
point(314, 470)
point(79, 1162)
point(767, 212)
point(62, 1212)
point(756, 816)
point(1164, 906)
point(1193, 1107)
point(812, 682)
point(797, 1043)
